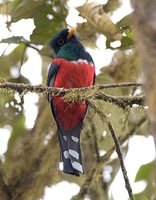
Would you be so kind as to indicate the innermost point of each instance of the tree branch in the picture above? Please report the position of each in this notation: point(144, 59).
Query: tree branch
point(117, 147)
point(124, 171)
point(77, 94)
point(104, 159)
point(84, 188)
point(121, 101)
point(95, 143)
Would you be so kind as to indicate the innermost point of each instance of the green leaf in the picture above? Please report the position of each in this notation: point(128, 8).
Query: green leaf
point(111, 6)
point(125, 25)
point(144, 198)
point(14, 39)
point(125, 21)
point(126, 42)
point(46, 27)
point(144, 172)
point(8, 61)
point(147, 173)
point(140, 196)
point(25, 9)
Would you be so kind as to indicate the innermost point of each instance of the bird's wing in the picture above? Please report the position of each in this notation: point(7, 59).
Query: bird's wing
point(51, 77)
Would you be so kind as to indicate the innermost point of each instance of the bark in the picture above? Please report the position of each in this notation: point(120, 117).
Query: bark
point(145, 24)
point(4, 193)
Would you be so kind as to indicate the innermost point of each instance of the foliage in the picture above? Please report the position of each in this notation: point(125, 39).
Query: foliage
point(31, 160)
point(145, 173)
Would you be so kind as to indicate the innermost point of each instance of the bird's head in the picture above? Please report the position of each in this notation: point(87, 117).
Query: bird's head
point(61, 38)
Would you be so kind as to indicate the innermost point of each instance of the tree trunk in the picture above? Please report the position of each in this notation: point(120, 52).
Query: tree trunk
point(145, 24)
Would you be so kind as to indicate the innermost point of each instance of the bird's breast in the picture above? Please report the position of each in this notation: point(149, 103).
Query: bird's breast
point(71, 75)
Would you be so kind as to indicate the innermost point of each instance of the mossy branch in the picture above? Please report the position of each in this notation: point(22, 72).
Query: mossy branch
point(77, 94)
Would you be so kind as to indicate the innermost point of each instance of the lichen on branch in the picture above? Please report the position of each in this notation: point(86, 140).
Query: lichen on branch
point(78, 94)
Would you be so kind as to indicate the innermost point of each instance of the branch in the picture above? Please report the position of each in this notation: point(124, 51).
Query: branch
point(104, 159)
point(28, 44)
point(4, 51)
point(124, 171)
point(95, 143)
point(121, 101)
point(77, 94)
point(133, 130)
point(114, 85)
point(117, 147)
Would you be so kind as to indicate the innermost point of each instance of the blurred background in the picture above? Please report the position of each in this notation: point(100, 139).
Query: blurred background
point(29, 152)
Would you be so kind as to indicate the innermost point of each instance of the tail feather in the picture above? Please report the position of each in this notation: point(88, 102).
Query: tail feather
point(74, 149)
point(65, 163)
point(70, 157)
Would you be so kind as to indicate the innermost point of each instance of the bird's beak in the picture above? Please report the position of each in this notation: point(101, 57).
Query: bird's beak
point(71, 32)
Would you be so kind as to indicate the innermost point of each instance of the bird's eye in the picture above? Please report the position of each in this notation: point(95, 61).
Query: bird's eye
point(60, 41)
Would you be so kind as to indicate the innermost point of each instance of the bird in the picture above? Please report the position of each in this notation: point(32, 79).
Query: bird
point(72, 67)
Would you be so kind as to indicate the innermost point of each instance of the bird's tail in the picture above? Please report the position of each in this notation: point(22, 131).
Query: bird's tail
point(71, 159)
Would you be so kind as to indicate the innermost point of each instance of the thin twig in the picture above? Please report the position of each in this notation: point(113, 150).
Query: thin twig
point(126, 136)
point(133, 130)
point(4, 51)
point(121, 101)
point(125, 84)
point(96, 146)
point(118, 149)
point(85, 186)
point(124, 171)
point(30, 45)
point(92, 136)
point(22, 56)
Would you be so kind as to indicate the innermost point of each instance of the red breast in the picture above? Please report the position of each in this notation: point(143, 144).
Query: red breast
point(71, 75)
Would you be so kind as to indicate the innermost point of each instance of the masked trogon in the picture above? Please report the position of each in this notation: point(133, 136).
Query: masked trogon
point(72, 67)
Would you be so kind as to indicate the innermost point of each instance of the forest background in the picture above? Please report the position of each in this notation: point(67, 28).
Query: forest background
point(121, 40)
